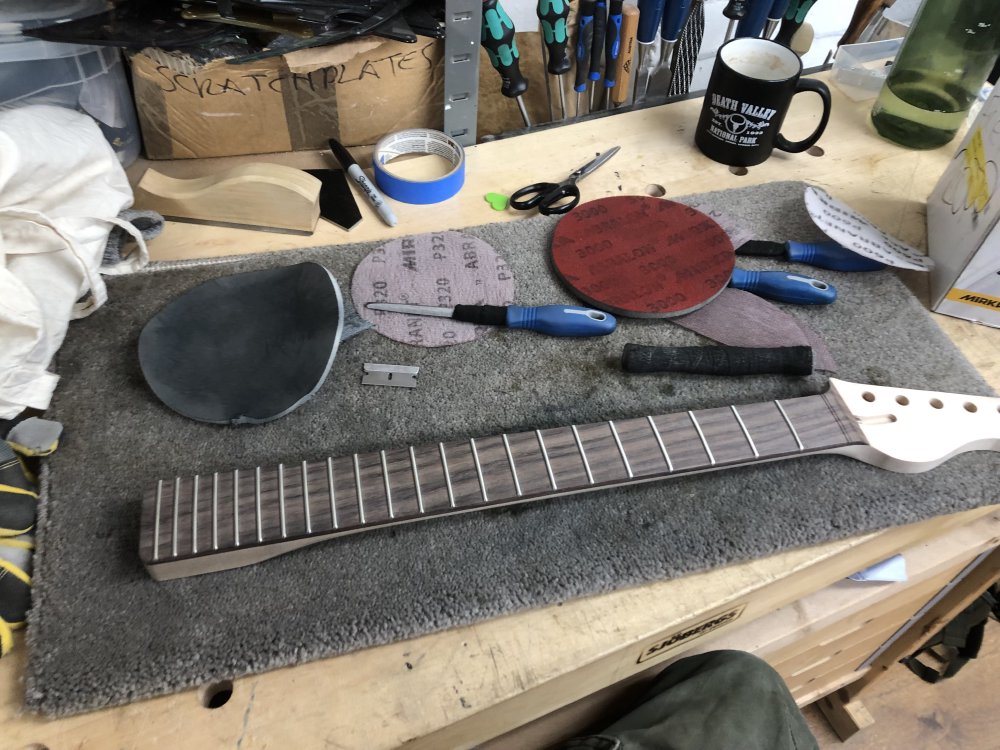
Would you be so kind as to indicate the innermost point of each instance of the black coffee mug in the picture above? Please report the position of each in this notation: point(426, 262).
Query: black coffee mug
point(748, 96)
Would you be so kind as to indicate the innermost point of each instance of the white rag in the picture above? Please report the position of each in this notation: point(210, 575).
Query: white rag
point(61, 189)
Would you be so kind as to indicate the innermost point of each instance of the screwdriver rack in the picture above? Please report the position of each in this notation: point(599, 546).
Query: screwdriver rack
point(461, 69)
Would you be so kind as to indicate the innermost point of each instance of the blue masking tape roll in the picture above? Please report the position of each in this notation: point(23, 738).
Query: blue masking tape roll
point(419, 141)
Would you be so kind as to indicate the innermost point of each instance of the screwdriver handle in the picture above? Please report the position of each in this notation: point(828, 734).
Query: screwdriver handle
point(784, 287)
point(501, 47)
point(553, 15)
point(778, 9)
point(831, 255)
point(626, 59)
point(650, 12)
point(613, 43)
point(561, 320)
point(735, 10)
point(584, 41)
point(554, 320)
point(794, 17)
point(719, 360)
point(675, 14)
point(752, 24)
point(597, 41)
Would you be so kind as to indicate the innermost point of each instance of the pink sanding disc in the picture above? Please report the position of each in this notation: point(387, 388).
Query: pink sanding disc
point(443, 270)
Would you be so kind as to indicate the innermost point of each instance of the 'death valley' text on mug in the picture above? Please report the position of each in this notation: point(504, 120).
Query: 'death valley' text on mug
point(748, 95)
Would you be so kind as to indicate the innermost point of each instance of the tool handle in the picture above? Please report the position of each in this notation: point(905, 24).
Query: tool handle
point(612, 43)
point(626, 59)
point(584, 42)
point(784, 287)
point(832, 256)
point(650, 12)
point(675, 14)
point(794, 16)
point(501, 47)
point(561, 320)
point(553, 16)
point(752, 24)
point(597, 42)
point(735, 10)
point(778, 8)
point(719, 360)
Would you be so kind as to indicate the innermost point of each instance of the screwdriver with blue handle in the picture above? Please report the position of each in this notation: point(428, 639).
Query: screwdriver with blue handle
point(612, 49)
point(650, 12)
point(830, 255)
point(774, 16)
point(752, 24)
point(553, 320)
point(584, 42)
point(675, 16)
point(597, 46)
point(784, 287)
point(501, 47)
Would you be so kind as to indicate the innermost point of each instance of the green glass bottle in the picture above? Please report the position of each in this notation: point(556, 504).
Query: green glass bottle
point(939, 71)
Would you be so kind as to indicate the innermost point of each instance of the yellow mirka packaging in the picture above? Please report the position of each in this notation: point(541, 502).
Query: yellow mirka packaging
point(963, 236)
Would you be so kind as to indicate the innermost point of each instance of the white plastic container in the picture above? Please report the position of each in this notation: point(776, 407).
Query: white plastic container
point(82, 77)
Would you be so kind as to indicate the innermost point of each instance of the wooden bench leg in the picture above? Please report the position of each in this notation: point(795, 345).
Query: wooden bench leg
point(846, 717)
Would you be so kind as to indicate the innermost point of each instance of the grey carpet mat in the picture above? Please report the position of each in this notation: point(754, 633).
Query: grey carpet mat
point(103, 633)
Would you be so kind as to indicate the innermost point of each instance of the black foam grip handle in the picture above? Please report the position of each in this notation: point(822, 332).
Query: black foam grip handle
point(584, 42)
point(719, 360)
point(483, 315)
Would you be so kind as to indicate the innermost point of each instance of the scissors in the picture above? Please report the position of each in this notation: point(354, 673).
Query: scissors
point(549, 196)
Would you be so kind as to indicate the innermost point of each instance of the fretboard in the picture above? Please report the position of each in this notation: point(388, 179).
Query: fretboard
point(209, 522)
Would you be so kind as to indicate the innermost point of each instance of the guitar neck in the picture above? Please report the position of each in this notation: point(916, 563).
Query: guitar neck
point(209, 522)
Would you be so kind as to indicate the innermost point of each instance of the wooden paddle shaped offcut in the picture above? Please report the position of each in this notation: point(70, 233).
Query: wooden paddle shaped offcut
point(642, 257)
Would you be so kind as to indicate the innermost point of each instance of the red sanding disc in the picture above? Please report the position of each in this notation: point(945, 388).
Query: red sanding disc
point(642, 257)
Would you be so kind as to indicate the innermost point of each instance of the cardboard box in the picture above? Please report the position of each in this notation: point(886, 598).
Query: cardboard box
point(963, 237)
point(355, 91)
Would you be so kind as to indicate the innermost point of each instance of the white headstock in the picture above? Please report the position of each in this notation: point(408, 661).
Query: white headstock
point(911, 431)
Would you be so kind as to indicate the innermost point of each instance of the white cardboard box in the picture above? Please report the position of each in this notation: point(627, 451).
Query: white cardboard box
point(963, 238)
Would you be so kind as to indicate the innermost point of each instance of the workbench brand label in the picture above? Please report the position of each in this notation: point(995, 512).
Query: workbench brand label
point(689, 633)
point(749, 92)
point(974, 298)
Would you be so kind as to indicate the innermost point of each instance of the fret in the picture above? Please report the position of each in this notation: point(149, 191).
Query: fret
point(495, 469)
point(769, 431)
point(447, 475)
point(479, 469)
point(194, 514)
point(583, 454)
point(681, 441)
point(385, 481)
point(659, 442)
point(345, 492)
point(177, 517)
point(545, 456)
point(510, 461)
point(434, 497)
point(603, 455)
point(464, 468)
point(332, 492)
point(621, 449)
point(784, 416)
point(723, 432)
point(359, 495)
point(282, 520)
point(305, 498)
point(416, 481)
point(818, 430)
point(236, 507)
point(564, 458)
point(215, 511)
point(701, 436)
point(156, 520)
point(532, 478)
point(746, 433)
point(640, 446)
point(256, 498)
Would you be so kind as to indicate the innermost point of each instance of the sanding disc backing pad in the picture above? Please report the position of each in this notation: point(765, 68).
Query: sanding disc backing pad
point(442, 269)
point(642, 257)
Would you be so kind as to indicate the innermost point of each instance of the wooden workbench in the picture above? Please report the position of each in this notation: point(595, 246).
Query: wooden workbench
point(465, 686)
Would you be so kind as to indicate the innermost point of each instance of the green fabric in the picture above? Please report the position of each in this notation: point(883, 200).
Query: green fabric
point(713, 701)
